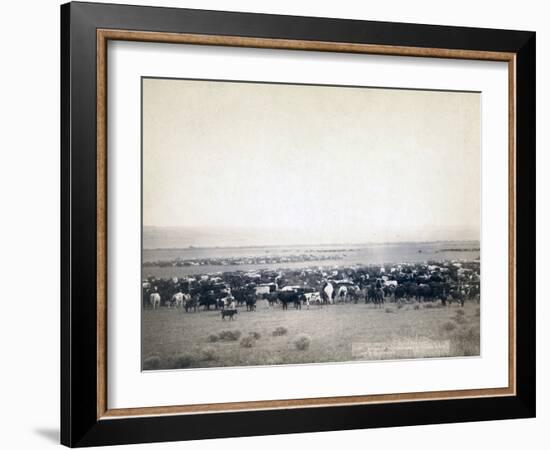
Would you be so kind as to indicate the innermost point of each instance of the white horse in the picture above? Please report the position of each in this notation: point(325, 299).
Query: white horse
point(154, 298)
point(328, 291)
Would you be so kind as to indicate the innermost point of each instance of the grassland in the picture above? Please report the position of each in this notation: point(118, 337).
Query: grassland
point(336, 333)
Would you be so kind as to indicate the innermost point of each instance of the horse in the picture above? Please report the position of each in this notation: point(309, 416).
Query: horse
point(154, 299)
point(328, 290)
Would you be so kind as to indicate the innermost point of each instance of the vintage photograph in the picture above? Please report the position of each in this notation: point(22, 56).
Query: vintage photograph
point(301, 224)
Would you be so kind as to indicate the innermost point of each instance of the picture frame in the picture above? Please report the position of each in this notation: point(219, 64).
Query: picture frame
point(86, 29)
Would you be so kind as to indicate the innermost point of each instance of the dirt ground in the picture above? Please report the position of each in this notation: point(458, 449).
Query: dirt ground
point(344, 332)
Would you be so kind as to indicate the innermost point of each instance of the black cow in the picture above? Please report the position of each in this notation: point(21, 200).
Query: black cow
point(229, 313)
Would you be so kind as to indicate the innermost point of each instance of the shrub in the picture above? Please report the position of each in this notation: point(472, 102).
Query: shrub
point(460, 320)
point(389, 310)
point(302, 342)
point(209, 354)
point(213, 338)
point(460, 312)
point(465, 342)
point(429, 305)
point(477, 312)
point(248, 341)
point(183, 361)
point(280, 331)
point(255, 335)
point(399, 305)
point(448, 326)
point(416, 307)
point(151, 363)
point(229, 335)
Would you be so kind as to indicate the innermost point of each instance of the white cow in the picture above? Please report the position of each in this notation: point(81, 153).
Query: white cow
point(177, 300)
point(342, 294)
point(154, 298)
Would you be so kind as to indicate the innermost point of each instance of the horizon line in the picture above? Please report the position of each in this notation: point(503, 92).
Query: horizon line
point(201, 247)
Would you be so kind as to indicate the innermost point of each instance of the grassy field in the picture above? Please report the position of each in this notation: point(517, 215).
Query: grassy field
point(175, 339)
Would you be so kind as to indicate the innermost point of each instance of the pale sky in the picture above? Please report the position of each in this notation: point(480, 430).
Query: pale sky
point(331, 163)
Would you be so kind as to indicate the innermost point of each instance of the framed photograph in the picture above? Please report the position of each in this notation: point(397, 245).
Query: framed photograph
point(277, 224)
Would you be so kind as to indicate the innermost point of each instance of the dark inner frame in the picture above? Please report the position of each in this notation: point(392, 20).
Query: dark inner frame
point(79, 423)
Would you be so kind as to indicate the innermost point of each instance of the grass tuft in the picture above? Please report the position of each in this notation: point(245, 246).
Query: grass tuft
point(302, 342)
point(209, 354)
point(229, 335)
point(448, 326)
point(280, 331)
point(465, 342)
point(183, 361)
point(248, 341)
point(151, 363)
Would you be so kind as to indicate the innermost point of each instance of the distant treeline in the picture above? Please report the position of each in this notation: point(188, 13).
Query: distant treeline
point(470, 249)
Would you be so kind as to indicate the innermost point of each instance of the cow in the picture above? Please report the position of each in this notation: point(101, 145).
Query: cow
point(457, 296)
point(375, 295)
point(154, 299)
point(178, 299)
point(191, 303)
point(312, 297)
point(342, 294)
point(230, 313)
point(251, 303)
point(286, 297)
point(272, 298)
point(222, 303)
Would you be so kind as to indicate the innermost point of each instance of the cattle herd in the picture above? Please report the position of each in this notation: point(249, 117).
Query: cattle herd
point(442, 282)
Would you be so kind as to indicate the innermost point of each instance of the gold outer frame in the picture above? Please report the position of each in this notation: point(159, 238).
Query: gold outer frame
point(104, 35)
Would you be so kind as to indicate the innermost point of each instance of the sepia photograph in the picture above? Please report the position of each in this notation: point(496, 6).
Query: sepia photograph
point(304, 224)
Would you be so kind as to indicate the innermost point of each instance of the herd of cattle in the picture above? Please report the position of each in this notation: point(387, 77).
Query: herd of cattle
point(451, 281)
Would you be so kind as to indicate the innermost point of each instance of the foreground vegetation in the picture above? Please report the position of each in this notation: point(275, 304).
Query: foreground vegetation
point(173, 339)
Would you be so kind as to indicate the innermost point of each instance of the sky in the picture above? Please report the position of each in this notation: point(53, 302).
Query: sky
point(316, 164)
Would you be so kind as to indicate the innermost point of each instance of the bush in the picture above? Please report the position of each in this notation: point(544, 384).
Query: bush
point(255, 335)
point(280, 331)
point(465, 342)
point(460, 320)
point(302, 342)
point(460, 312)
point(448, 326)
point(477, 312)
point(228, 335)
point(182, 361)
point(416, 307)
point(209, 354)
point(389, 310)
point(213, 338)
point(399, 305)
point(151, 363)
point(248, 341)
point(429, 305)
